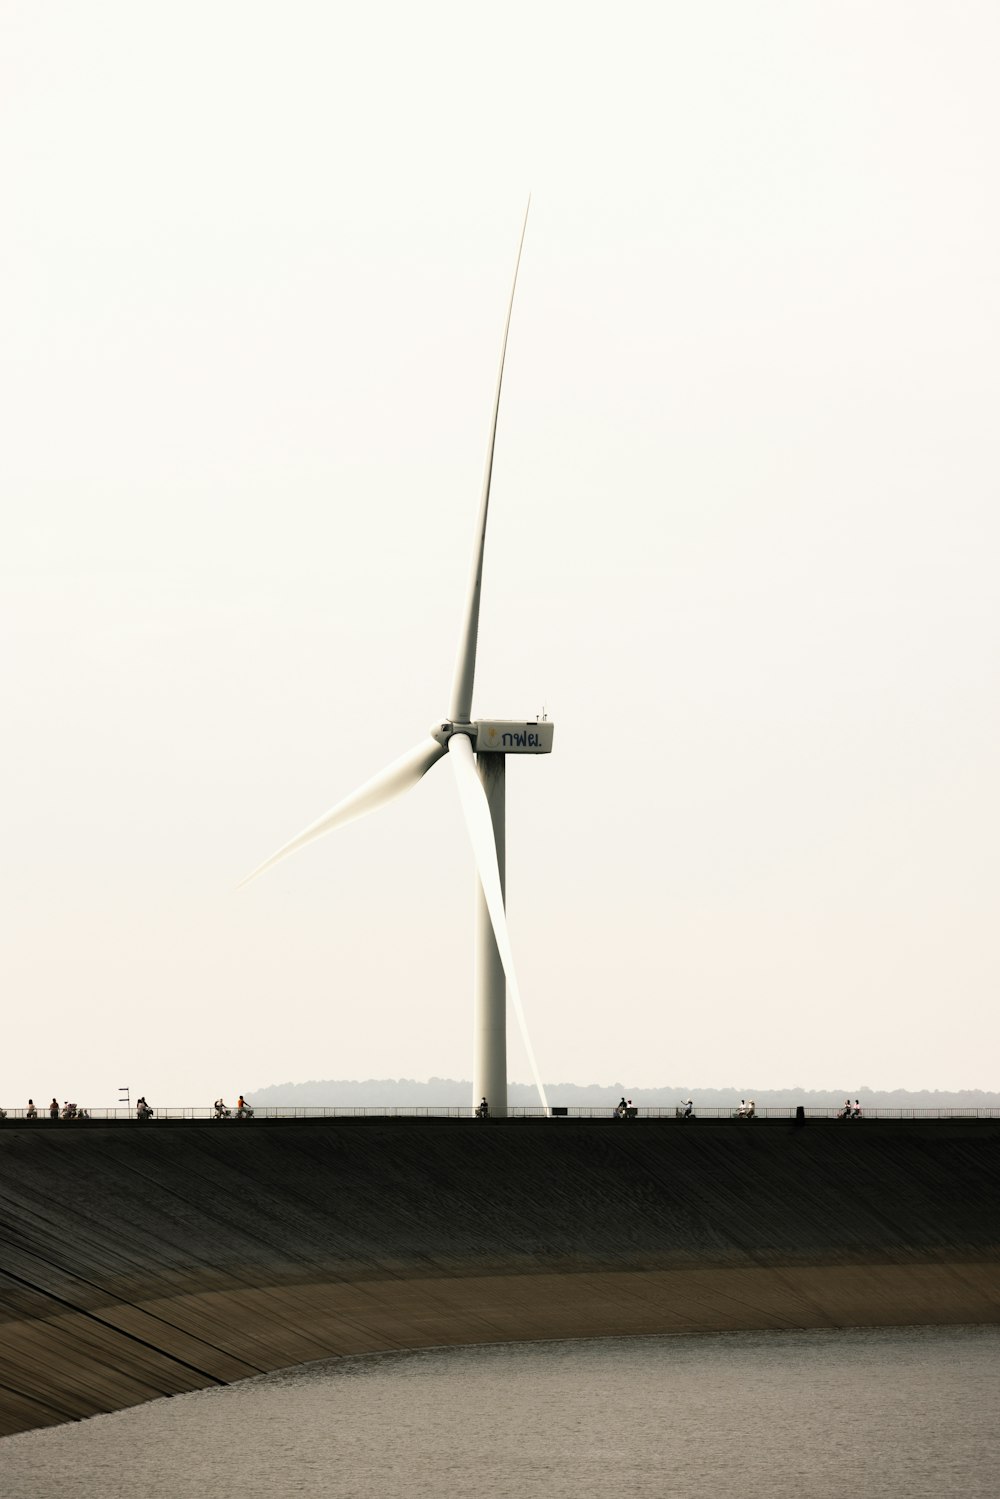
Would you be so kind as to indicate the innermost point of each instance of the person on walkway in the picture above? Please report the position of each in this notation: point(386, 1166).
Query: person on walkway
point(483, 1110)
point(32, 1112)
point(689, 1109)
point(54, 1109)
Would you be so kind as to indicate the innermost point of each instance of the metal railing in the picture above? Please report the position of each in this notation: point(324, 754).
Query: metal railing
point(517, 1111)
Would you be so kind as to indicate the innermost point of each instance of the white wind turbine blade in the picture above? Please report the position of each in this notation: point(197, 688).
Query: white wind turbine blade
point(389, 783)
point(480, 825)
point(465, 665)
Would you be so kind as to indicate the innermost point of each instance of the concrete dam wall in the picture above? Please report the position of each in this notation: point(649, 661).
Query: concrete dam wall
point(139, 1260)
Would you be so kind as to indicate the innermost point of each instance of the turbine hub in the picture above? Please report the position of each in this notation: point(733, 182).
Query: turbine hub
point(442, 732)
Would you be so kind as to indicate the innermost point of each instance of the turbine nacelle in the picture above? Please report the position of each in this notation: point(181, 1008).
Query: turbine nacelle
point(501, 736)
point(505, 736)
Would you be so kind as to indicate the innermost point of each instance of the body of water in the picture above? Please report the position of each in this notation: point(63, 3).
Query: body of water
point(859, 1414)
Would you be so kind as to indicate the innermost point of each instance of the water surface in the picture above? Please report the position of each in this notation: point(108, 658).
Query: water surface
point(861, 1414)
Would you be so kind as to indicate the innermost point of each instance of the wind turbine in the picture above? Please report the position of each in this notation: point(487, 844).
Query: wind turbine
point(477, 750)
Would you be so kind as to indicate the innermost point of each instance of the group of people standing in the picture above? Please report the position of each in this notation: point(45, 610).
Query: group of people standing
point(68, 1110)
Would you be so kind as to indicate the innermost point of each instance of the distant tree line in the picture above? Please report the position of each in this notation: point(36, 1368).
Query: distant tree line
point(407, 1092)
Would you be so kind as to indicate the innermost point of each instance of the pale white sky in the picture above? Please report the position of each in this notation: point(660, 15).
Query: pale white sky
point(254, 266)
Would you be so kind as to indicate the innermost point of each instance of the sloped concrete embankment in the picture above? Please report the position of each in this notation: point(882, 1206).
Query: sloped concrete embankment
point(140, 1261)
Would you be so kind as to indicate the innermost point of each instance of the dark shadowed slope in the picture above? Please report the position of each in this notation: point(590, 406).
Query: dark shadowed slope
point(145, 1260)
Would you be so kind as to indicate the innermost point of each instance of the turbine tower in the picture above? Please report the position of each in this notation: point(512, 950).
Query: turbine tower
point(477, 750)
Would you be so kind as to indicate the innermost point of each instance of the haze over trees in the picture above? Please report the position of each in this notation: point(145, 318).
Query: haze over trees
point(407, 1092)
